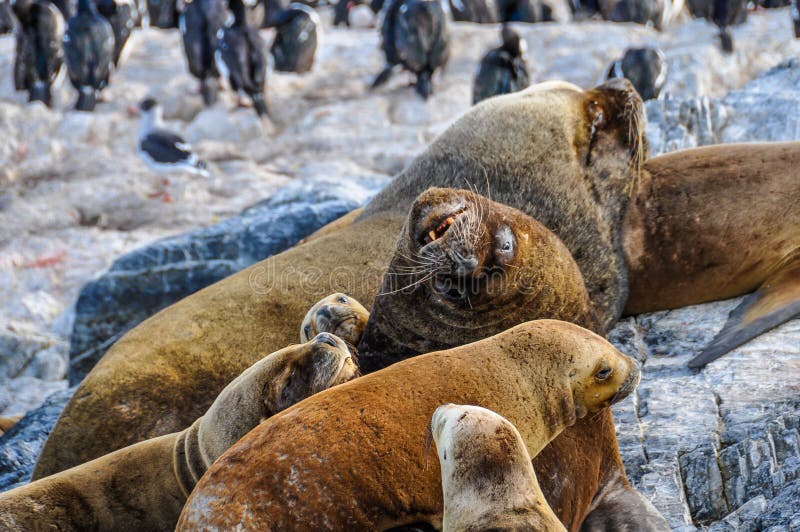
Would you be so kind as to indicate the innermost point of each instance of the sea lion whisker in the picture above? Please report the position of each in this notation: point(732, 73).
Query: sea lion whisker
point(426, 278)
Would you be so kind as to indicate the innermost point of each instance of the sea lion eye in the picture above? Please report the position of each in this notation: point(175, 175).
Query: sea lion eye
point(603, 374)
point(343, 300)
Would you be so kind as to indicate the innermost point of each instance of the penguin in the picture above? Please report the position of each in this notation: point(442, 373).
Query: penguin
point(523, 11)
point(646, 68)
point(502, 70)
point(298, 34)
point(726, 13)
point(122, 15)
point(480, 11)
point(162, 150)
point(7, 19)
point(200, 23)
point(39, 60)
point(415, 35)
point(89, 53)
point(162, 13)
point(242, 59)
point(351, 13)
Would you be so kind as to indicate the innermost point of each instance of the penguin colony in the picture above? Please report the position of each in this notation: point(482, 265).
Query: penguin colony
point(88, 39)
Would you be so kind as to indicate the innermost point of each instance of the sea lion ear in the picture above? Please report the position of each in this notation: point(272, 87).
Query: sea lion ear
point(775, 302)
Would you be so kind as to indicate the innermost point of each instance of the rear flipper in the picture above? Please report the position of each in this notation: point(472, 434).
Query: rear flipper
point(383, 77)
point(775, 302)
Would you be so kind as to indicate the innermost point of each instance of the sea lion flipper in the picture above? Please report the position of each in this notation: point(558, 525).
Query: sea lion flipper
point(775, 302)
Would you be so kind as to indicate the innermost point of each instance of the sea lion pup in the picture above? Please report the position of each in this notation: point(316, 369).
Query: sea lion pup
point(354, 457)
point(551, 151)
point(488, 481)
point(466, 268)
point(144, 486)
point(718, 222)
point(337, 314)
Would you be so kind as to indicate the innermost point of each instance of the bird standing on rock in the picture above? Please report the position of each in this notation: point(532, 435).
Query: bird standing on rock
point(415, 35)
point(122, 16)
point(161, 149)
point(502, 70)
point(241, 57)
point(646, 68)
point(726, 13)
point(39, 59)
point(298, 35)
point(89, 53)
point(200, 23)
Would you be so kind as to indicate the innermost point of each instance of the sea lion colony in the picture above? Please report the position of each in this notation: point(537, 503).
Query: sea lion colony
point(574, 223)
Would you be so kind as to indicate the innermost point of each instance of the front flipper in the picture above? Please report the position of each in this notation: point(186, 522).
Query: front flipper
point(775, 302)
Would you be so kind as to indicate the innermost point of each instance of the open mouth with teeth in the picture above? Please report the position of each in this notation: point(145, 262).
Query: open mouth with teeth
point(441, 228)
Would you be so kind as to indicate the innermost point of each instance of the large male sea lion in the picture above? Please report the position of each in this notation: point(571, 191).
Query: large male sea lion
point(569, 158)
point(354, 457)
point(488, 482)
point(144, 486)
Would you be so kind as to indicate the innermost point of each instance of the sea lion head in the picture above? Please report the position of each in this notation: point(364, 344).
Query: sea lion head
point(337, 314)
point(488, 480)
point(466, 268)
point(271, 385)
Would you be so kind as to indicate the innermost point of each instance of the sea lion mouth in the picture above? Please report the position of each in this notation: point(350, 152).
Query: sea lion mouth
point(459, 289)
point(438, 230)
point(629, 385)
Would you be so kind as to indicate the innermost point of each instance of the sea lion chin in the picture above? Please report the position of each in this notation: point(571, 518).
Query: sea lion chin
point(465, 268)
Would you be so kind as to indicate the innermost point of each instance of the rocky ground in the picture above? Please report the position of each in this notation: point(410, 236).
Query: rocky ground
point(717, 448)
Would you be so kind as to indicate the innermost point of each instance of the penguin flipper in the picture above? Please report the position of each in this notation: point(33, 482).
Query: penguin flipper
point(776, 301)
point(424, 85)
point(726, 40)
point(260, 104)
point(208, 88)
point(383, 77)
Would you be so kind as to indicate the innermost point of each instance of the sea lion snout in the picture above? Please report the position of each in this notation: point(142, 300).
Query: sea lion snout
point(327, 338)
point(337, 314)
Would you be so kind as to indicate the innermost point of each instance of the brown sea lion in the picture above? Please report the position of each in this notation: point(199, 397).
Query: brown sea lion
point(539, 150)
point(337, 314)
point(488, 481)
point(144, 486)
point(718, 222)
point(466, 268)
point(354, 457)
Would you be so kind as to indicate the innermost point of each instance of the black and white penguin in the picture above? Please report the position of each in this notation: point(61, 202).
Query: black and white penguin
point(796, 18)
point(39, 59)
point(7, 19)
point(480, 11)
point(162, 13)
point(89, 53)
point(646, 68)
point(200, 23)
point(161, 149)
point(502, 70)
point(241, 57)
point(122, 15)
point(359, 13)
point(726, 13)
point(523, 11)
point(298, 35)
point(415, 35)
point(657, 13)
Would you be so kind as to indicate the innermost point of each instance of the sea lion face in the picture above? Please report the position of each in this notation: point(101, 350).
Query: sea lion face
point(337, 314)
point(317, 365)
point(465, 246)
point(601, 376)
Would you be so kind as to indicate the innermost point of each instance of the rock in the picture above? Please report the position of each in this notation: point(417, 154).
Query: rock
point(763, 110)
point(144, 281)
point(20, 446)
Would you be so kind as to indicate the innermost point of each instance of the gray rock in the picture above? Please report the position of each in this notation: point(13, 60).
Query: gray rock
point(142, 282)
point(20, 446)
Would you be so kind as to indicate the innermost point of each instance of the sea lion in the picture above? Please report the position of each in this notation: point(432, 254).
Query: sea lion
point(144, 486)
point(713, 223)
point(466, 268)
point(551, 141)
point(488, 482)
point(354, 457)
point(337, 314)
